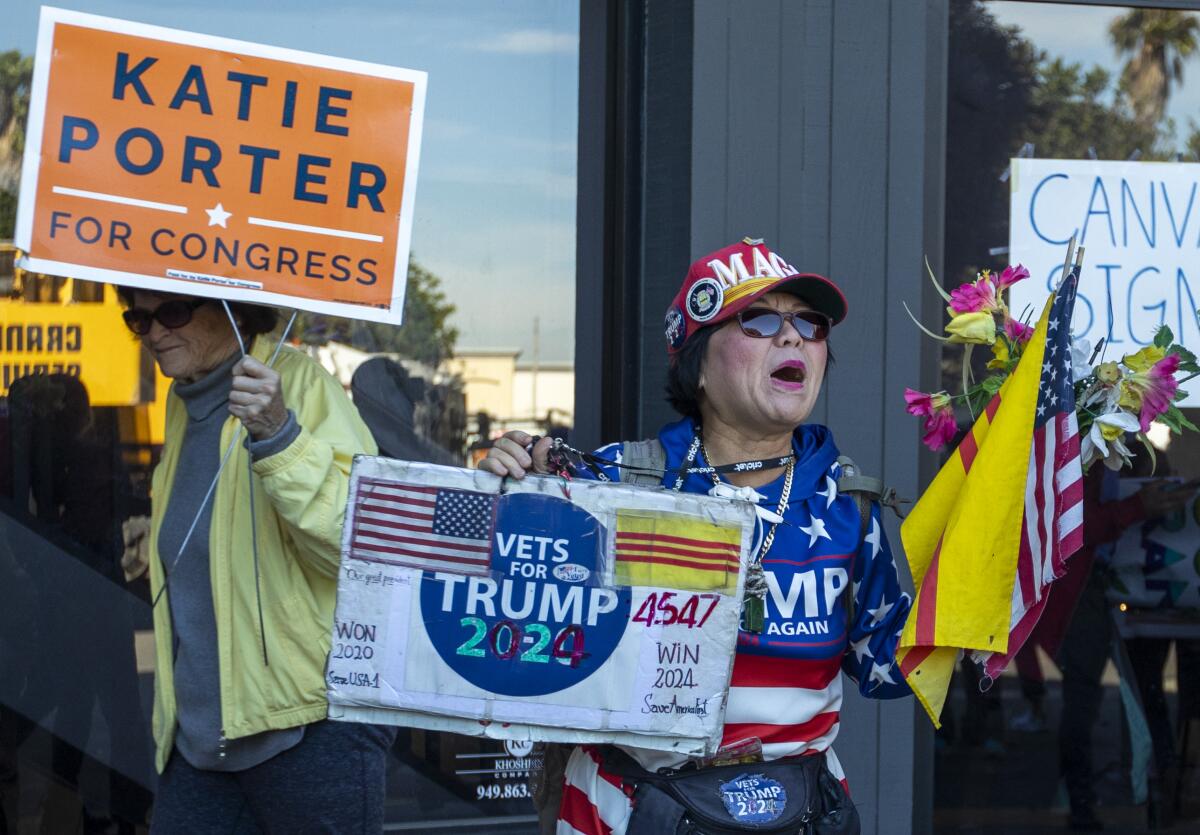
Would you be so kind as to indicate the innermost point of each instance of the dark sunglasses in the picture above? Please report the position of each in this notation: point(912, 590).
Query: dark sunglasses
point(765, 322)
point(171, 314)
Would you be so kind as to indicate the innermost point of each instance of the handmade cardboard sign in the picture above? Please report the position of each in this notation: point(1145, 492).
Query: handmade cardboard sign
point(188, 163)
point(609, 615)
point(1140, 225)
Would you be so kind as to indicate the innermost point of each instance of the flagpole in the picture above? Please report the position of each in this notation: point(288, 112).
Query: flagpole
point(1066, 263)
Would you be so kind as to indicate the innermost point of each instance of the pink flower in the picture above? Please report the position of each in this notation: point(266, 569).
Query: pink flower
point(1016, 331)
point(1157, 388)
point(922, 404)
point(1011, 276)
point(974, 297)
point(940, 429)
point(940, 426)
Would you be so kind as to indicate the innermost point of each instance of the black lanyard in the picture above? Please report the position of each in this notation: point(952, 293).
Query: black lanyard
point(594, 462)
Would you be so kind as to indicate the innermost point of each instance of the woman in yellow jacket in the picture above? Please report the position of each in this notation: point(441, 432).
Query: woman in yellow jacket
point(241, 642)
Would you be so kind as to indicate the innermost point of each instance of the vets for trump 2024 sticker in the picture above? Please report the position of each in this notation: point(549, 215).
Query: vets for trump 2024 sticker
point(540, 622)
point(754, 798)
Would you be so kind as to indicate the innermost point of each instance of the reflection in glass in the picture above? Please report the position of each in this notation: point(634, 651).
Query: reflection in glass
point(1060, 81)
point(492, 272)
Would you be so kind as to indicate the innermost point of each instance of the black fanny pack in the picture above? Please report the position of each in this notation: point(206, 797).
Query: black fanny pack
point(783, 797)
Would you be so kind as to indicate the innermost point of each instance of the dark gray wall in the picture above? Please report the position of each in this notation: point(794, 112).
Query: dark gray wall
point(817, 125)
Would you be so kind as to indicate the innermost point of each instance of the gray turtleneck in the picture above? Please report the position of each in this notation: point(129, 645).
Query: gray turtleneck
point(200, 738)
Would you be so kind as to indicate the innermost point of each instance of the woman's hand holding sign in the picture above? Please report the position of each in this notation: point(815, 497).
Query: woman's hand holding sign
point(512, 455)
point(256, 399)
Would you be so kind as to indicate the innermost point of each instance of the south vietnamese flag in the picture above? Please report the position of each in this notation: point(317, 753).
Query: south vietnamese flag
point(1000, 519)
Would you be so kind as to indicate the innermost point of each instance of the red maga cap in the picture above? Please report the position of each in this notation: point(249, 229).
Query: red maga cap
point(723, 283)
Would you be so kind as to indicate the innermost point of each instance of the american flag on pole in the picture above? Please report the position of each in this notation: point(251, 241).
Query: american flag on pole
point(428, 528)
point(1052, 529)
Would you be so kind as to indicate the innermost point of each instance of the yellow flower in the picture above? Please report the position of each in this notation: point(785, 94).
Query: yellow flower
point(1000, 355)
point(1131, 398)
point(1108, 373)
point(1110, 431)
point(978, 328)
point(1143, 359)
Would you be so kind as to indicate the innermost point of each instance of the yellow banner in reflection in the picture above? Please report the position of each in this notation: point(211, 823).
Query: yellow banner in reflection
point(87, 340)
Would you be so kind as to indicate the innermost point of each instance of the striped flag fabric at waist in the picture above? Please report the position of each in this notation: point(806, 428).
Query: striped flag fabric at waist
point(429, 528)
point(673, 550)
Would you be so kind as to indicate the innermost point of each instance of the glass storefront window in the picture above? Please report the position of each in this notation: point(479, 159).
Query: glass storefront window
point(1069, 82)
point(487, 345)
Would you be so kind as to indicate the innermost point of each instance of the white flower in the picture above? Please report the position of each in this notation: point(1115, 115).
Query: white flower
point(1112, 449)
point(1081, 352)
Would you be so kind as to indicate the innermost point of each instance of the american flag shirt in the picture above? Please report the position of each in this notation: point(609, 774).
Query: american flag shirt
point(786, 689)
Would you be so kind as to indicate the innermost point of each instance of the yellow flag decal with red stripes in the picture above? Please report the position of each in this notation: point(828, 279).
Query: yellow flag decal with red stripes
point(676, 551)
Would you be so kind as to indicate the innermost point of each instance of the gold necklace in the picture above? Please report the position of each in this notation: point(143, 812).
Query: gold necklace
point(769, 539)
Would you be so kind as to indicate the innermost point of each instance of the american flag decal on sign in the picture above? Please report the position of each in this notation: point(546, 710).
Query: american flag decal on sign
point(1052, 529)
point(427, 528)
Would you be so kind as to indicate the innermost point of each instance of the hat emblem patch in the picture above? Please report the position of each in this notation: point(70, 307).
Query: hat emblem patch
point(704, 299)
point(674, 328)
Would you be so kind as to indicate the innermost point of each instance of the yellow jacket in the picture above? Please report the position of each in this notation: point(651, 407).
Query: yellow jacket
point(300, 502)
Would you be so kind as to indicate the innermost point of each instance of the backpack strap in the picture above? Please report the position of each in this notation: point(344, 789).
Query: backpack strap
point(865, 490)
point(649, 458)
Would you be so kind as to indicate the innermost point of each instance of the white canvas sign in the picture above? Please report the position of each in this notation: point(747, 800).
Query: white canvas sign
point(1140, 225)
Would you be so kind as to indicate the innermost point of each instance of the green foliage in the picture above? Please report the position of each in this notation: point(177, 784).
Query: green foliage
point(981, 392)
point(16, 76)
point(1187, 360)
point(992, 78)
point(1163, 337)
point(1004, 92)
point(1157, 41)
point(426, 334)
point(8, 214)
point(1075, 110)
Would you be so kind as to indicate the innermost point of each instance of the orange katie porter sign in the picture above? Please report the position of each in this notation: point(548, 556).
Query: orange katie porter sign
point(182, 162)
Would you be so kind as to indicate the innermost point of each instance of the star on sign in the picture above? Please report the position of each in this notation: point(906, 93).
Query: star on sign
point(217, 216)
point(874, 538)
point(880, 612)
point(830, 492)
point(862, 648)
point(882, 673)
point(816, 531)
